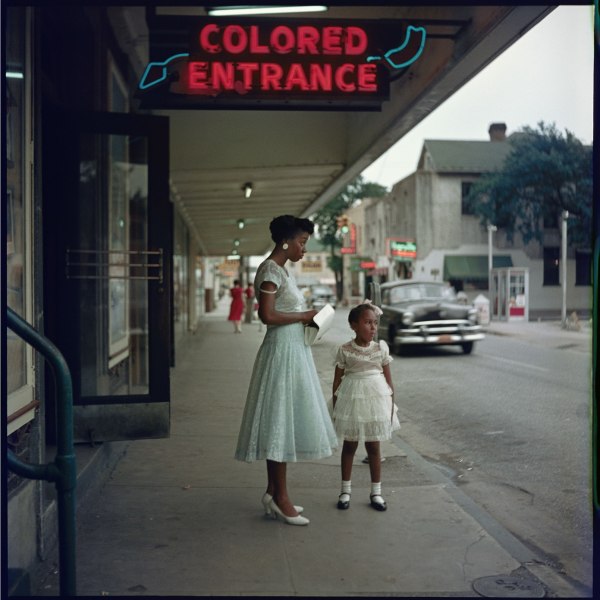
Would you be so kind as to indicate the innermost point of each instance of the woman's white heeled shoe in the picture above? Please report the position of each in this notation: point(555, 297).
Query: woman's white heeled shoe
point(266, 500)
point(298, 520)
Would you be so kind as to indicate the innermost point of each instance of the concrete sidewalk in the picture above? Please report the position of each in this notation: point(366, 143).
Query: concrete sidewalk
point(180, 516)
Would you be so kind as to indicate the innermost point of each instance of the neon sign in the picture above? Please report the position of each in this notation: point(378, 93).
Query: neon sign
point(402, 249)
point(216, 62)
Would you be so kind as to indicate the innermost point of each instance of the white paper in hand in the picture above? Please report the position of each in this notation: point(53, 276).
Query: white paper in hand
point(323, 319)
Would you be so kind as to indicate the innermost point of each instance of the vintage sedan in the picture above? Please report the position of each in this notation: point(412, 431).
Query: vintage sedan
point(417, 313)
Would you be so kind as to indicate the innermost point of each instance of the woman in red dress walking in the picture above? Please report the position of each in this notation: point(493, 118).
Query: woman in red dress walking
point(237, 306)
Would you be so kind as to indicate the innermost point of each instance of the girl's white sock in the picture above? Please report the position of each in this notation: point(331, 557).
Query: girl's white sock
point(376, 493)
point(346, 491)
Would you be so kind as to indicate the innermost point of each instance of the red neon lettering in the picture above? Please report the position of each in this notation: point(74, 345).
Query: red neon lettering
point(223, 76)
point(205, 43)
point(356, 40)
point(235, 39)
point(198, 75)
point(339, 78)
point(247, 69)
point(244, 77)
point(296, 77)
point(270, 76)
point(282, 39)
point(332, 40)
point(307, 40)
point(255, 46)
point(320, 77)
point(367, 78)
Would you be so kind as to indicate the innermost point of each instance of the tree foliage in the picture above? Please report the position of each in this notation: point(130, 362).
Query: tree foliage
point(326, 219)
point(544, 174)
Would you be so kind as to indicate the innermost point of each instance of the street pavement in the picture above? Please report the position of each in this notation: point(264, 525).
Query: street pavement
point(180, 516)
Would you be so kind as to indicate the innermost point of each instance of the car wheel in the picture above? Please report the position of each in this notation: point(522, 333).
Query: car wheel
point(394, 349)
point(468, 347)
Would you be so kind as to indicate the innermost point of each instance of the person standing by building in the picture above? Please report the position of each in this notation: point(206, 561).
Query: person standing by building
point(249, 293)
point(237, 306)
point(285, 417)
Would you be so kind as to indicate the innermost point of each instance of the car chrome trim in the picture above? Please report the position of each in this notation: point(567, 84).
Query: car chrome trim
point(435, 339)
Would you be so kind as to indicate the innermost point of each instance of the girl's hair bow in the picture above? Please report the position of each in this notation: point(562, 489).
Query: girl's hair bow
point(376, 308)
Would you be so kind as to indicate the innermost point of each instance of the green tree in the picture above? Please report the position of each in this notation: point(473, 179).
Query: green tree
point(326, 221)
point(544, 174)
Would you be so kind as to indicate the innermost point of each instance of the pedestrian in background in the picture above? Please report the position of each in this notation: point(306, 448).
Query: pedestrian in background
point(249, 293)
point(363, 400)
point(237, 306)
point(285, 417)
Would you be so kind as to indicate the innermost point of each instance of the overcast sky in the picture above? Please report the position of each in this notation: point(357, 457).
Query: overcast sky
point(547, 76)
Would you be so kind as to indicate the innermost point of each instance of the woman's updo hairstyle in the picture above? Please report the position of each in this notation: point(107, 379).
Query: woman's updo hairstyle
point(286, 227)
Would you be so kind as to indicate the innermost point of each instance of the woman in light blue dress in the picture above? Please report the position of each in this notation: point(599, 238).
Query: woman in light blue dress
point(286, 417)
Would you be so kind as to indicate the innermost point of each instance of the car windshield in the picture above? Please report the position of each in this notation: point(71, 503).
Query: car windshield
point(322, 291)
point(421, 291)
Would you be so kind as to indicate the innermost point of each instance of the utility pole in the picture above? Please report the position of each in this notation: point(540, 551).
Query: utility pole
point(563, 267)
point(490, 229)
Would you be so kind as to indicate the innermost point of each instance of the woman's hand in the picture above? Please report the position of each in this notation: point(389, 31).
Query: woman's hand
point(307, 316)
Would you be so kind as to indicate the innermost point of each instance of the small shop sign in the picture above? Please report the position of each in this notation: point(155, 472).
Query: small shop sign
point(401, 249)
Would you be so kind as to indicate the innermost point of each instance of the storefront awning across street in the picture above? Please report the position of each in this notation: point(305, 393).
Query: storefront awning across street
point(472, 268)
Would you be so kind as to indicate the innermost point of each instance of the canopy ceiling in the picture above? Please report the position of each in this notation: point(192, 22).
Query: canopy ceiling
point(298, 160)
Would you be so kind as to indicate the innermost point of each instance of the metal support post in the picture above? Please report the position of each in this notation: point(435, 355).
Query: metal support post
point(563, 268)
point(490, 230)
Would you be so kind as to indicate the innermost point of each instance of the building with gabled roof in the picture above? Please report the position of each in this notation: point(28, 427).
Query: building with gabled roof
point(428, 207)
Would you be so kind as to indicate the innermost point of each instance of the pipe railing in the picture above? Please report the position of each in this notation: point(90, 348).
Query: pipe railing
point(63, 471)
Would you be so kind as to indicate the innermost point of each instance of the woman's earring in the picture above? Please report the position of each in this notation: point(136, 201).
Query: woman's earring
point(285, 246)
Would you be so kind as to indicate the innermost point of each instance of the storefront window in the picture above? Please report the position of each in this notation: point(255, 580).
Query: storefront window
point(15, 204)
point(20, 406)
point(112, 266)
point(180, 276)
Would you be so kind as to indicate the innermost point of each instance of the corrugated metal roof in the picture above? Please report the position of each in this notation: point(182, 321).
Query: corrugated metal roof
point(462, 156)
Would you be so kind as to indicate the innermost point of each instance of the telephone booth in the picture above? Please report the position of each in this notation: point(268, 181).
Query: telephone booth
point(509, 296)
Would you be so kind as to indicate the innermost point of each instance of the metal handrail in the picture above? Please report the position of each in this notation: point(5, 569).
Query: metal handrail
point(63, 471)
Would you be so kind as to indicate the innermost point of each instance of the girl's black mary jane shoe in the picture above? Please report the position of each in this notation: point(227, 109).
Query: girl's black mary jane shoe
point(381, 506)
point(343, 504)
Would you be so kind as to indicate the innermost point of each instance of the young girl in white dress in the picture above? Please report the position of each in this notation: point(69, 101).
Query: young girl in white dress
point(363, 400)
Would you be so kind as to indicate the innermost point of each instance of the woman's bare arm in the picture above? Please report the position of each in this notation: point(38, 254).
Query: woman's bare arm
point(270, 316)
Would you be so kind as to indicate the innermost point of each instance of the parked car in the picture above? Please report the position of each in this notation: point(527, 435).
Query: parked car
point(320, 295)
point(417, 313)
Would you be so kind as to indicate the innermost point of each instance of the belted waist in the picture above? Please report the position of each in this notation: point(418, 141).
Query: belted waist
point(363, 374)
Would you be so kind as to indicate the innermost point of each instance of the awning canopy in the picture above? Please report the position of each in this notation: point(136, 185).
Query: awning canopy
point(472, 268)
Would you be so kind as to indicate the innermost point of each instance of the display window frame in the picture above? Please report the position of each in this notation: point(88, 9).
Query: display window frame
point(21, 403)
point(118, 346)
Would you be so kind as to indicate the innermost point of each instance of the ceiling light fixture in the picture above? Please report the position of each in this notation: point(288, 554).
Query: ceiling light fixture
point(241, 223)
point(247, 189)
point(231, 11)
point(236, 242)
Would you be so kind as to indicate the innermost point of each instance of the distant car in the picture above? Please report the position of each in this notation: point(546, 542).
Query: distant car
point(320, 295)
point(417, 313)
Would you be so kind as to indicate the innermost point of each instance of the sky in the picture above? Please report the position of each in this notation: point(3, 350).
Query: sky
point(547, 75)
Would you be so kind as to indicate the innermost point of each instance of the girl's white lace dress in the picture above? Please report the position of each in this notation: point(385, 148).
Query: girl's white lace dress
point(285, 417)
point(364, 406)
